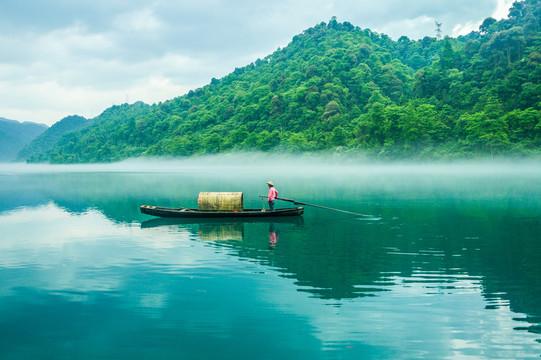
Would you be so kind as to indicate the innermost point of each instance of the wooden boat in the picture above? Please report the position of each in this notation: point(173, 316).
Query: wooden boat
point(182, 212)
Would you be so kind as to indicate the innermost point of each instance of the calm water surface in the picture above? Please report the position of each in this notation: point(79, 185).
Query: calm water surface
point(447, 267)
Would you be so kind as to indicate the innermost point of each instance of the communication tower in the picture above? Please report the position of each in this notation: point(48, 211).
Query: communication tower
point(438, 30)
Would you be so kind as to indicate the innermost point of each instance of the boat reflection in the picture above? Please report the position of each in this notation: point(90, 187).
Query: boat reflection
point(152, 223)
point(221, 232)
point(226, 229)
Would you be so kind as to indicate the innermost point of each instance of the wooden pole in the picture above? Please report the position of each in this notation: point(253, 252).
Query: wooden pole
point(318, 206)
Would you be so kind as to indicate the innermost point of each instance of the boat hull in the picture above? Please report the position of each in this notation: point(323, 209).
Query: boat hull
point(195, 213)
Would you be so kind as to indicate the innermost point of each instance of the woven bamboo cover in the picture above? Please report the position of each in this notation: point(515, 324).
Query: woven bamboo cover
point(220, 201)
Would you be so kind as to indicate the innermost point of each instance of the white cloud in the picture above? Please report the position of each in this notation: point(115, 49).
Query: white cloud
point(56, 102)
point(501, 12)
point(464, 29)
point(72, 42)
point(75, 58)
point(71, 72)
point(502, 9)
point(138, 20)
point(415, 27)
point(155, 89)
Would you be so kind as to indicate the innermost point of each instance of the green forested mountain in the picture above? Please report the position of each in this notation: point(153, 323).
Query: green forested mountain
point(337, 87)
point(15, 135)
point(37, 150)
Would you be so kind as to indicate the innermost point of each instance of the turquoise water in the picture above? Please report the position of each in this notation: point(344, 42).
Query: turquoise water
point(446, 267)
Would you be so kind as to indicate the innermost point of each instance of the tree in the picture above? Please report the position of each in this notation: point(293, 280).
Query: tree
point(212, 143)
point(447, 60)
point(485, 133)
point(338, 136)
point(484, 28)
point(297, 142)
point(523, 124)
point(331, 109)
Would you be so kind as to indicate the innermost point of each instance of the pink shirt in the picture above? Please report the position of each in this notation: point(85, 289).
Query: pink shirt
point(273, 193)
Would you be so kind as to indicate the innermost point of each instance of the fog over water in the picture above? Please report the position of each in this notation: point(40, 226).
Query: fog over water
point(279, 163)
point(238, 172)
point(349, 183)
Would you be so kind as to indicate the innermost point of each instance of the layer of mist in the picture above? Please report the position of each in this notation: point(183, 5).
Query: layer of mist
point(240, 164)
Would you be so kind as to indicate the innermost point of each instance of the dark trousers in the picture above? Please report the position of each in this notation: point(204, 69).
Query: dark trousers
point(271, 205)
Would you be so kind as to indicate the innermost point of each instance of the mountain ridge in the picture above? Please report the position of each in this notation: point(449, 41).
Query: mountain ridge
point(337, 87)
point(39, 147)
point(14, 135)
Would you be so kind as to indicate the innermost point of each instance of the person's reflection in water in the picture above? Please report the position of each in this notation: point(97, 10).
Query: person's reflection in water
point(273, 236)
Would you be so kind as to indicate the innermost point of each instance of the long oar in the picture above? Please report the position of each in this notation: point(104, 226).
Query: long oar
point(318, 206)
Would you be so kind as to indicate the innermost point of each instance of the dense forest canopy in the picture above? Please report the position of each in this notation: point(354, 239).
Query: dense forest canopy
point(337, 87)
point(42, 144)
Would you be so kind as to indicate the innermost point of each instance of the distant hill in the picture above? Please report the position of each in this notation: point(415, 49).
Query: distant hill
point(339, 88)
point(40, 146)
point(15, 135)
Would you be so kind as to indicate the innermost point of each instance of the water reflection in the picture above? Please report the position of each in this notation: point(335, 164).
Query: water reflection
point(164, 222)
point(434, 276)
point(348, 260)
point(225, 229)
point(225, 232)
point(169, 279)
point(273, 236)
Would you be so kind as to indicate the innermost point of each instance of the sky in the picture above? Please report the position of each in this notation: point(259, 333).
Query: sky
point(74, 57)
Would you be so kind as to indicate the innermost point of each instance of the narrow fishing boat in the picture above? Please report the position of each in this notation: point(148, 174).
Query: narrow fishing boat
point(219, 205)
point(182, 212)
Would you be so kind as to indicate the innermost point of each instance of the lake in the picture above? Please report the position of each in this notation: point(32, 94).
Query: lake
point(446, 265)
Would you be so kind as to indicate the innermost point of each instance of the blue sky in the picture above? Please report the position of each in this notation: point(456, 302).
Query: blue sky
point(61, 57)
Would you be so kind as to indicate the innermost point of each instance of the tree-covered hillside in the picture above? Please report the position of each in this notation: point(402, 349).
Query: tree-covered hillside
point(37, 150)
point(15, 135)
point(341, 88)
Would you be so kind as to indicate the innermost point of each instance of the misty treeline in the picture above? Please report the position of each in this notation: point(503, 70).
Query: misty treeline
point(337, 87)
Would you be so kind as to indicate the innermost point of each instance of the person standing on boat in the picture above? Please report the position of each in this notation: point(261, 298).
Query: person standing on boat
point(273, 194)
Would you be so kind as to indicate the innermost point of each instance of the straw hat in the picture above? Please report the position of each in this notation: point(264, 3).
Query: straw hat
point(270, 183)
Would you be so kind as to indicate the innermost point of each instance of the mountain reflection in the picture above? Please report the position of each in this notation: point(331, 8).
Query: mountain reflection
point(81, 234)
point(347, 259)
point(321, 262)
